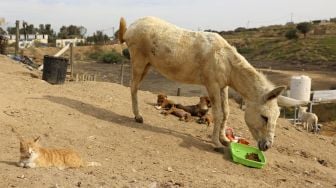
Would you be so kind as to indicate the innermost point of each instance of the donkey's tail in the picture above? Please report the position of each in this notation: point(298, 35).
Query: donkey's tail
point(93, 164)
point(122, 30)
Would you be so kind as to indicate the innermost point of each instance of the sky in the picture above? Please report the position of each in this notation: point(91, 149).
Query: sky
point(191, 14)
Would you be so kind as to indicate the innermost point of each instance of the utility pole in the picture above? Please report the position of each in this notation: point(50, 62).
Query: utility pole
point(247, 24)
point(291, 17)
point(17, 38)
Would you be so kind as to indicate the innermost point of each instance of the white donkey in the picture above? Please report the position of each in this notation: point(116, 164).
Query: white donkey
point(206, 59)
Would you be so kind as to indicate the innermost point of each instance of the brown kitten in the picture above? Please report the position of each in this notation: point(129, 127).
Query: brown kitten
point(33, 155)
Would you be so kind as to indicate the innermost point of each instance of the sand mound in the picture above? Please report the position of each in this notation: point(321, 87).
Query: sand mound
point(95, 118)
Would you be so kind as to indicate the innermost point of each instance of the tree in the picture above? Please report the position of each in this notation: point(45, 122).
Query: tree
point(116, 34)
point(71, 31)
point(98, 38)
point(46, 29)
point(41, 29)
point(25, 29)
point(240, 29)
point(11, 30)
point(291, 34)
point(304, 28)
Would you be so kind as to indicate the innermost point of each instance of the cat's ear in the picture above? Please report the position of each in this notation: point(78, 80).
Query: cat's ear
point(37, 139)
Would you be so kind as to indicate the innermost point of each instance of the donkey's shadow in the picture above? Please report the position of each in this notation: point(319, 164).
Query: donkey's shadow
point(106, 115)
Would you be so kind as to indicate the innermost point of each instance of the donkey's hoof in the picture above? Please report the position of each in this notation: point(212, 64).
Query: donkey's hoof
point(224, 142)
point(219, 149)
point(139, 119)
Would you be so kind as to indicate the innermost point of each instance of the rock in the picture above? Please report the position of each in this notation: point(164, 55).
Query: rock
point(133, 181)
point(153, 185)
point(309, 181)
point(304, 154)
point(323, 162)
point(306, 172)
point(291, 161)
point(170, 169)
point(333, 142)
point(79, 184)
point(21, 177)
point(180, 184)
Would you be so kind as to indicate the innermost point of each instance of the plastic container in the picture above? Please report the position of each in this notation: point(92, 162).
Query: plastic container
point(239, 151)
point(300, 87)
point(54, 69)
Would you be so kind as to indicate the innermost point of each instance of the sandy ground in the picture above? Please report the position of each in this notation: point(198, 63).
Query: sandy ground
point(95, 118)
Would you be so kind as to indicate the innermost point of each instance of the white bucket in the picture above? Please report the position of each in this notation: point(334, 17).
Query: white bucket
point(300, 87)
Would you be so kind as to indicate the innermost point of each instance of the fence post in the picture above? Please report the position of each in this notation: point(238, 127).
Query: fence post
point(295, 115)
point(71, 60)
point(178, 92)
point(122, 73)
point(17, 38)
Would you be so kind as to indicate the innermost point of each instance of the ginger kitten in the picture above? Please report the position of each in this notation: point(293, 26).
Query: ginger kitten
point(33, 155)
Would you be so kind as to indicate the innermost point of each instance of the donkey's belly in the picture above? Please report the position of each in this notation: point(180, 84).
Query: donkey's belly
point(180, 74)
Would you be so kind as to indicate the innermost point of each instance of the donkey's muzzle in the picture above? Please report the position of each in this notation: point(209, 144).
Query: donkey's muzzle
point(264, 145)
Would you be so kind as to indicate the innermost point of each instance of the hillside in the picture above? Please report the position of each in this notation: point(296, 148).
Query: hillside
point(270, 44)
point(95, 118)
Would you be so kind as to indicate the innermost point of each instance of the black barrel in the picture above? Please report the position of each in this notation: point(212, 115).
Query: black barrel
point(54, 69)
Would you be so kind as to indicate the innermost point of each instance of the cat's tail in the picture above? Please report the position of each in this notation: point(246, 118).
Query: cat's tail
point(93, 163)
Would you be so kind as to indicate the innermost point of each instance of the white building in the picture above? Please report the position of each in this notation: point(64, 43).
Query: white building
point(60, 43)
point(29, 41)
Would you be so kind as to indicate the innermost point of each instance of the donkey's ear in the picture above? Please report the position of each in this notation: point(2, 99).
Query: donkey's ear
point(37, 139)
point(274, 93)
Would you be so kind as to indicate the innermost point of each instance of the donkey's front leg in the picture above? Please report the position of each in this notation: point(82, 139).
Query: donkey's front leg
point(214, 94)
point(226, 111)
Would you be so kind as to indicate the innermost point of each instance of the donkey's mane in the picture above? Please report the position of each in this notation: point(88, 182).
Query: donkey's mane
point(248, 76)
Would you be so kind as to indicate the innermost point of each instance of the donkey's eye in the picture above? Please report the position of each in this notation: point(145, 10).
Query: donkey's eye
point(264, 118)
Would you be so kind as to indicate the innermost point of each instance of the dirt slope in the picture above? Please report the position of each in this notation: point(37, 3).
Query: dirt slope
point(95, 118)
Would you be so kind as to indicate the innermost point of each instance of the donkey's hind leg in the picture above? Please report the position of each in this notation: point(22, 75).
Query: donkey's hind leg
point(139, 70)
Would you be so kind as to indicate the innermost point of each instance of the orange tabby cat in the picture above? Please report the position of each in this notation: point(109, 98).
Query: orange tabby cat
point(33, 155)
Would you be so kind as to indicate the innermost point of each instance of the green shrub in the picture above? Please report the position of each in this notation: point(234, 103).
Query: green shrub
point(244, 50)
point(111, 57)
point(291, 34)
point(304, 27)
point(95, 55)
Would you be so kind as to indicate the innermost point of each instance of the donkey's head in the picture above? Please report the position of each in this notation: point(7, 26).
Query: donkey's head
point(261, 117)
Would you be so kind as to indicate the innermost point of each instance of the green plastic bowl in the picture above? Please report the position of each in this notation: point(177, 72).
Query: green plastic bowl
point(239, 151)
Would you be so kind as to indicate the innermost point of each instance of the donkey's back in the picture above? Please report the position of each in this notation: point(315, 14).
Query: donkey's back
point(177, 53)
